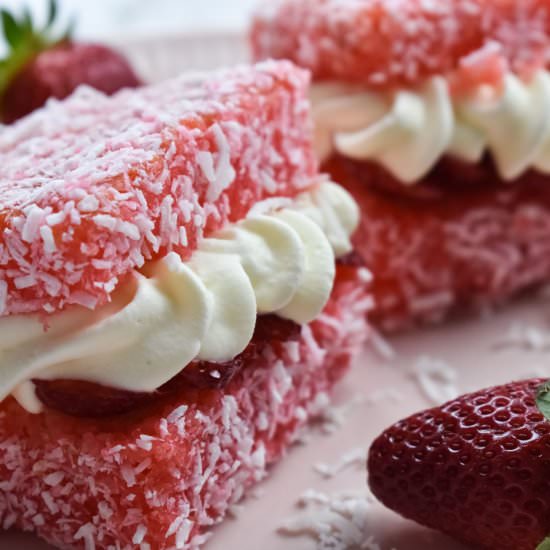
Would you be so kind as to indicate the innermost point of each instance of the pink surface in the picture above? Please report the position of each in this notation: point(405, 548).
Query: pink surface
point(512, 343)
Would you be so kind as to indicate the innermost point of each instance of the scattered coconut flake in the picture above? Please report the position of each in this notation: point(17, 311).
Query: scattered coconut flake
point(436, 379)
point(381, 345)
point(334, 417)
point(525, 337)
point(384, 394)
point(355, 457)
point(337, 522)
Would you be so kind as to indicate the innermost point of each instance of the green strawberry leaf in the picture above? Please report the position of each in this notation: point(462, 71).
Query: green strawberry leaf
point(26, 22)
point(544, 545)
point(12, 31)
point(52, 13)
point(543, 400)
point(26, 42)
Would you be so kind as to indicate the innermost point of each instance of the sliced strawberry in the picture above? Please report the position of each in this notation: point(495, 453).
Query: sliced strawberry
point(353, 259)
point(272, 329)
point(87, 399)
point(205, 375)
point(477, 468)
point(84, 399)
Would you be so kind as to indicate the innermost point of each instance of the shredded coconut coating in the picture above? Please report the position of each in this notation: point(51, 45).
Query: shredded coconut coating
point(385, 43)
point(93, 186)
point(161, 478)
point(470, 247)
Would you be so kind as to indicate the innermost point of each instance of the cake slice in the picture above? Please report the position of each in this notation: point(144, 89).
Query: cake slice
point(436, 116)
point(177, 302)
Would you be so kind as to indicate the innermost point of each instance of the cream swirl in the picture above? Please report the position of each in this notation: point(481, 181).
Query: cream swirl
point(408, 131)
point(274, 261)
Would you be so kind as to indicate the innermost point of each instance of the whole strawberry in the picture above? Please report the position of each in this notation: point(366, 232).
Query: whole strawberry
point(477, 468)
point(39, 66)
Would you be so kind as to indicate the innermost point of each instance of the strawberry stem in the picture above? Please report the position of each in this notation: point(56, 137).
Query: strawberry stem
point(52, 13)
point(544, 545)
point(543, 400)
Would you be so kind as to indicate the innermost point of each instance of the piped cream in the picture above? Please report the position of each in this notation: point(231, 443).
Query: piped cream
point(408, 131)
point(277, 260)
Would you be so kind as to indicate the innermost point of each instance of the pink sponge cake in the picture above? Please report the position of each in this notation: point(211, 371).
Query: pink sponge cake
point(177, 300)
point(436, 116)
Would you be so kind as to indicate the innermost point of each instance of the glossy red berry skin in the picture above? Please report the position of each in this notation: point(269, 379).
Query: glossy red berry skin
point(477, 468)
point(58, 71)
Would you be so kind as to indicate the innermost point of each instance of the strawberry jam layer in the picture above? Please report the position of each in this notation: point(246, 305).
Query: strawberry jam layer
point(87, 399)
point(459, 239)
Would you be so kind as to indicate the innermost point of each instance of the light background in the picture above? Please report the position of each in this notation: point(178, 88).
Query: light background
point(117, 19)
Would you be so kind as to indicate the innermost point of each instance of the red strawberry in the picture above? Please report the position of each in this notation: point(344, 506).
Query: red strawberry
point(39, 67)
point(477, 468)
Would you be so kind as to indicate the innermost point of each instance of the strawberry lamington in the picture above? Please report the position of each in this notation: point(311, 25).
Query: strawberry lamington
point(176, 303)
point(436, 116)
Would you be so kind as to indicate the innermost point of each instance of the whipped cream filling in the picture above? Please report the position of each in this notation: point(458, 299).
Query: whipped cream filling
point(408, 131)
point(279, 259)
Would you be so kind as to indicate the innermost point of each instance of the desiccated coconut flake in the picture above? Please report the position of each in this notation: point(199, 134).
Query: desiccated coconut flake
point(47, 237)
point(54, 479)
point(436, 379)
point(139, 535)
point(382, 345)
point(525, 337)
point(86, 533)
point(334, 522)
point(355, 457)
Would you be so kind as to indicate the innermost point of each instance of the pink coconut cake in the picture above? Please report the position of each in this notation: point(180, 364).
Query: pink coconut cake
point(436, 116)
point(95, 190)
